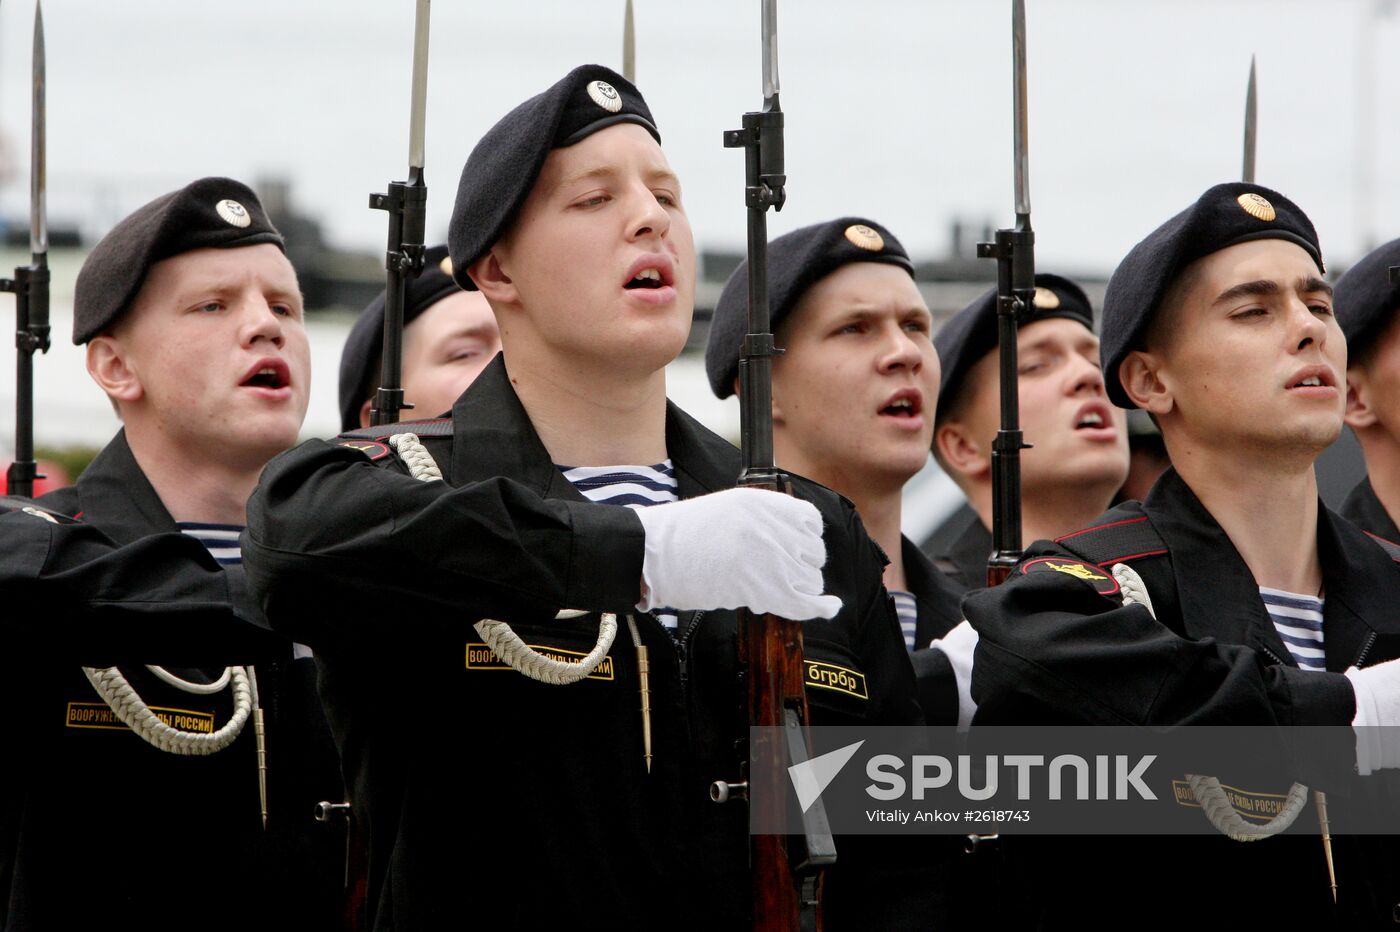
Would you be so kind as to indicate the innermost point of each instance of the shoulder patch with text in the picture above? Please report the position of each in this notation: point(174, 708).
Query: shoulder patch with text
point(1101, 579)
point(825, 675)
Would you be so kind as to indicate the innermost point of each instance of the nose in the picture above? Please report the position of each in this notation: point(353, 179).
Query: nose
point(650, 218)
point(1307, 328)
point(900, 351)
point(261, 322)
point(1085, 377)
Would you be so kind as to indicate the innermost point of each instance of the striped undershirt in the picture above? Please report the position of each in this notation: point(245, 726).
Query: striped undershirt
point(908, 611)
point(221, 539)
point(1298, 619)
point(633, 486)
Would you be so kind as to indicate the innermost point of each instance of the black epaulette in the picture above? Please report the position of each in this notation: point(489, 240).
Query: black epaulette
point(429, 427)
point(1119, 540)
point(9, 503)
point(374, 441)
point(1390, 547)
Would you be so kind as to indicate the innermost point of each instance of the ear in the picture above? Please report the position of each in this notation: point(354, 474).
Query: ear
point(364, 412)
point(960, 450)
point(491, 279)
point(111, 370)
point(1141, 377)
point(1359, 414)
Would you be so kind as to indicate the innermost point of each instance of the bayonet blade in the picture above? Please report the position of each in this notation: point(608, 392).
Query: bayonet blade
point(629, 45)
point(770, 51)
point(419, 103)
point(38, 173)
point(1018, 79)
point(1251, 127)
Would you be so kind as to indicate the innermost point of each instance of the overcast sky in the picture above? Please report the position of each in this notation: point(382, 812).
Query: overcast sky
point(896, 109)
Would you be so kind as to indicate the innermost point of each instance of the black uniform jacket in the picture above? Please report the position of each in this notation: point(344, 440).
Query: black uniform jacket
point(965, 559)
point(111, 830)
point(937, 598)
point(1053, 649)
point(495, 801)
point(52, 565)
point(1363, 509)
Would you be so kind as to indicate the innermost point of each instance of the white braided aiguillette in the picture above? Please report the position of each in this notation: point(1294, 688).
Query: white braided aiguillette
point(497, 635)
point(1215, 803)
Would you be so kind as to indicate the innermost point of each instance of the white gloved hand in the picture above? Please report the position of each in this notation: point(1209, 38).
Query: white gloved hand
point(742, 547)
point(1377, 691)
point(957, 645)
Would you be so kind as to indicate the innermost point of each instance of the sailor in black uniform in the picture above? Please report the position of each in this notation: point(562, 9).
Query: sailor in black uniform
point(1367, 301)
point(853, 398)
point(1078, 455)
point(491, 797)
point(1230, 595)
point(151, 801)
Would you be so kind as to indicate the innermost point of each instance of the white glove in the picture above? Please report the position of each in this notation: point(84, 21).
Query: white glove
point(1377, 691)
point(957, 645)
point(742, 547)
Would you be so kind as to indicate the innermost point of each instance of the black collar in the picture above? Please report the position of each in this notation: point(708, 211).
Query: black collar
point(1220, 597)
point(493, 436)
point(938, 597)
point(114, 495)
point(1363, 508)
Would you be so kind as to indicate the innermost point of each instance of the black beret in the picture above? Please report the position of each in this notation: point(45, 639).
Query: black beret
point(503, 167)
point(796, 262)
point(1366, 299)
point(211, 212)
point(359, 376)
point(1224, 216)
point(971, 333)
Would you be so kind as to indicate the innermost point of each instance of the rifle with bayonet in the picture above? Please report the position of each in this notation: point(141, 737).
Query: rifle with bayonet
point(785, 869)
point(1251, 135)
point(31, 287)
point(1251, 125)
point(1014, 250)
point(629, 45)
point(406, 203)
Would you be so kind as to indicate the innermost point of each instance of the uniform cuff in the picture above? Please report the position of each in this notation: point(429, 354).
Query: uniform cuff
point(606, 564)
point(1319, 698)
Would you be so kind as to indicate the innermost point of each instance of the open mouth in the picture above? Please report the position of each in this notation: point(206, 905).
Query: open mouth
point(650, 273)
point(268, 373)
point(1312, 377)
point(646, 278)
point(1092, 419)
point(1093, 416)
point(904, 404)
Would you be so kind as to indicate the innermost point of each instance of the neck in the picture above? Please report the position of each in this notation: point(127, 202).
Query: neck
point(1047, 513)
point(1382, 455)
point(877, 500)
point(1266, 503)
point(880, 512)
point(587, 417)
point(207, 490)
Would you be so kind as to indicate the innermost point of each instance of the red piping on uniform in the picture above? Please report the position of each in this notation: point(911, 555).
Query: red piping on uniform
point(1131, 556)
point(1384, 541)
point(1101, 527)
